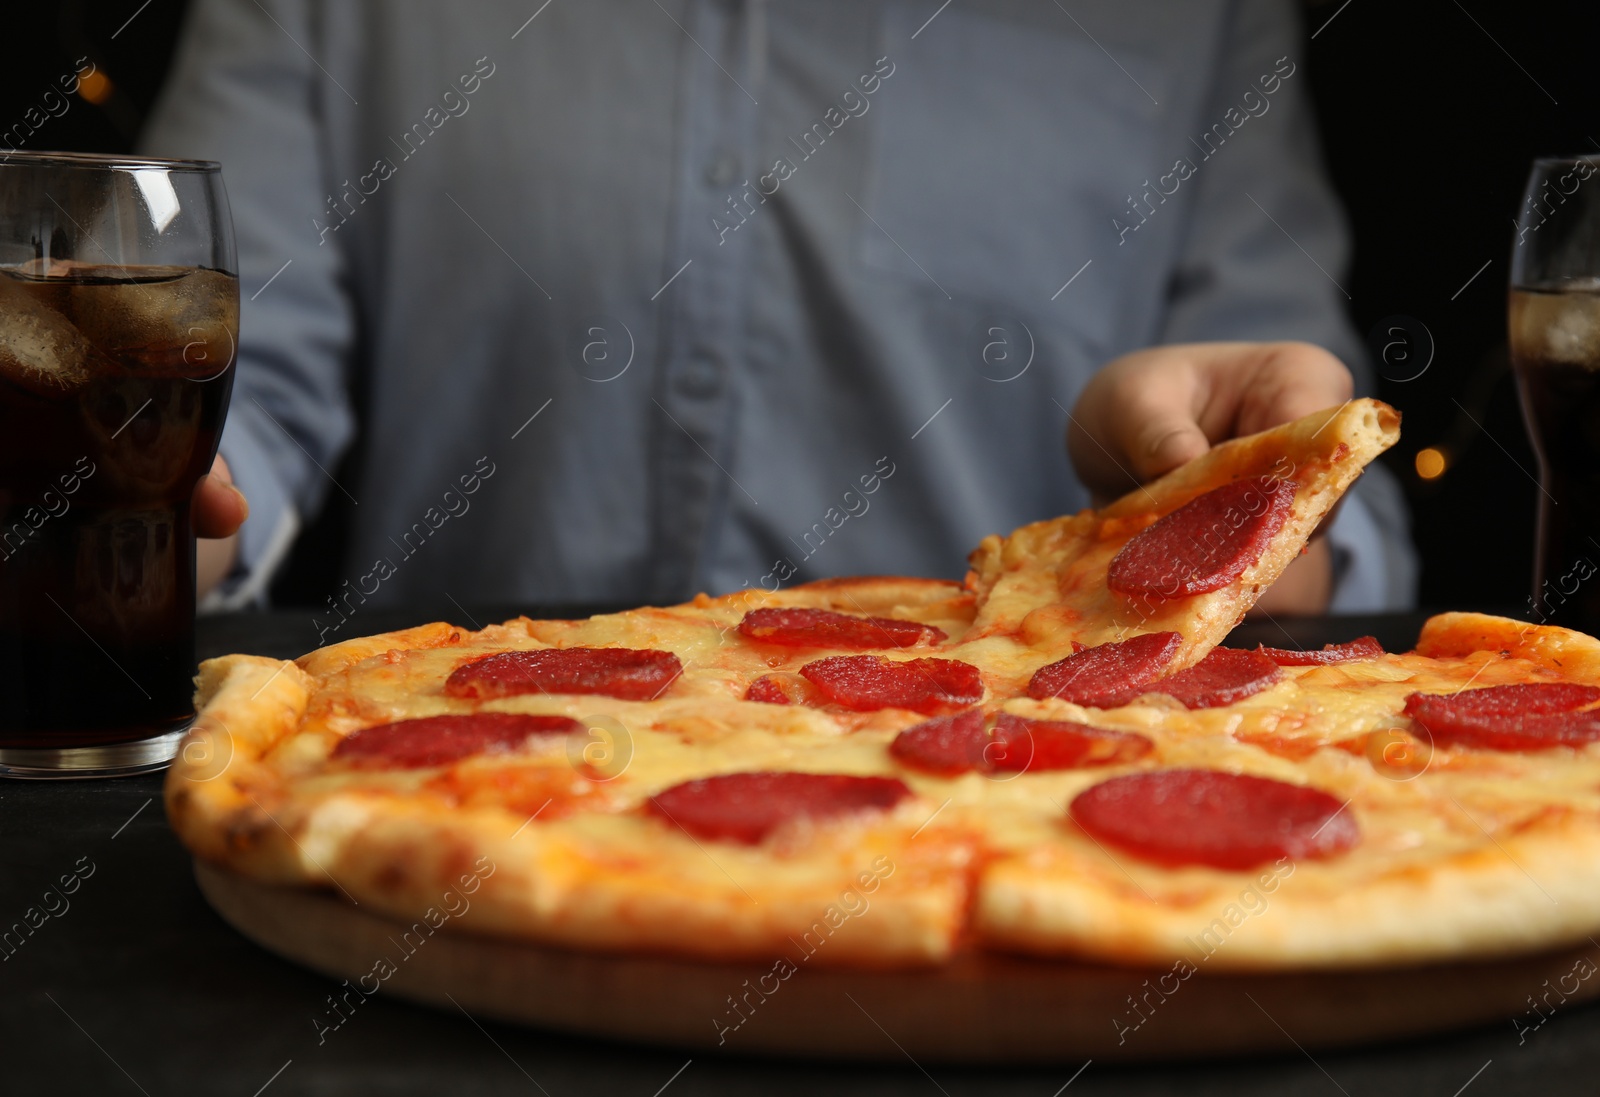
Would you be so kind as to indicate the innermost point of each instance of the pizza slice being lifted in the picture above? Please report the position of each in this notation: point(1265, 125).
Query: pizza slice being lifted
point(1165, 572)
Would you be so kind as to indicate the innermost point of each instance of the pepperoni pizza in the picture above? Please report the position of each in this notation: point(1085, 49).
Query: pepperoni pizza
point(1055, 757)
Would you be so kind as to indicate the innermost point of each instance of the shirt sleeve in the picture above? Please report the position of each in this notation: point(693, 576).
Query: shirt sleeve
point(1264, 258)
point(243, 92)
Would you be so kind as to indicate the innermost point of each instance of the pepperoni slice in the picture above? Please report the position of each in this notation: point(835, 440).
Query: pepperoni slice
point(1108, 675)
point(867, 682)
point(437, 740)
point(1503, 702)
point(784, 688)
point(820, 628)
point(1205, 544)
point(633, 674)
point(952, 745)
point(945, 745)
point(769, 690)
point(1221, 678)
point(1365, 647)
point(1530, 716)
point(1033, 746)
point(746, 807)
point(1224, 820)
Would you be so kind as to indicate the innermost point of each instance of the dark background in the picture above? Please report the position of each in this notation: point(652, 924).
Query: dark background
point(1430, 114)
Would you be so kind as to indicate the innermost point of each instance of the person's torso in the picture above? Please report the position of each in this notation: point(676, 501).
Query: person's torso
point(737, 293)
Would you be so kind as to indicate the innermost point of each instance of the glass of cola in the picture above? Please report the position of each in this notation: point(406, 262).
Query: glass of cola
point(119, 317)
point(1555, 351)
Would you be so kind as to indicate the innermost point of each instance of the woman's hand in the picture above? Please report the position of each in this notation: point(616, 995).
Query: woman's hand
point(219, 510)
point(1148, 412)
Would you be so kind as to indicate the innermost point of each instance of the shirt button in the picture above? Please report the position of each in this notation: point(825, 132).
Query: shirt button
point(722, 169)
point(700, 377)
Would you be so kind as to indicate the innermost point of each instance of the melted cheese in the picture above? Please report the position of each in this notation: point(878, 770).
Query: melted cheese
point(1314, 726)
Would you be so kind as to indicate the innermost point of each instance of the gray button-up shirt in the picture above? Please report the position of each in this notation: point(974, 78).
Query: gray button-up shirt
point(621, 300)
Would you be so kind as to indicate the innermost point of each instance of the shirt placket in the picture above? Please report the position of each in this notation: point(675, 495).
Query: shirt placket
point(702, 305)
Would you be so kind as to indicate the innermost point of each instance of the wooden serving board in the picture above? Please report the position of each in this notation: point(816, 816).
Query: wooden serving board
point(981, 1008)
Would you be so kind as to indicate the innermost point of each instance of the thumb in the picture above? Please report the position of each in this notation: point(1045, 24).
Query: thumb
point(1136, 419)
point(1164, 442)
point(220, 508)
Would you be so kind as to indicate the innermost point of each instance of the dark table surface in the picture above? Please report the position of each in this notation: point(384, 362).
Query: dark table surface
point(137, 987)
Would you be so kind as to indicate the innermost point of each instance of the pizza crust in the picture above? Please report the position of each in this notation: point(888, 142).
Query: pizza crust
point(1562, 651)
point(219, 795)
point(624, 883)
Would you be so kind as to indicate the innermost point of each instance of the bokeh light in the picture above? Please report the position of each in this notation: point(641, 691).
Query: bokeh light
point(1431, 463)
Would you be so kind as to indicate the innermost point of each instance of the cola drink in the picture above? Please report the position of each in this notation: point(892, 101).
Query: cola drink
point(1555, 352)
point(113, 385)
